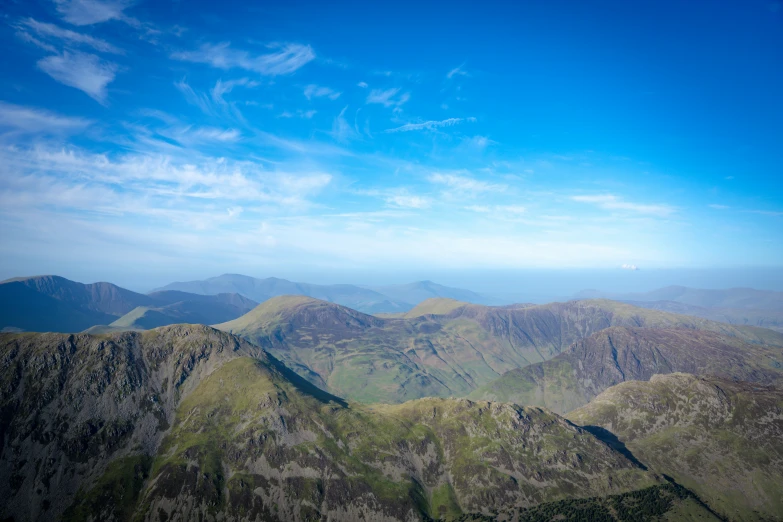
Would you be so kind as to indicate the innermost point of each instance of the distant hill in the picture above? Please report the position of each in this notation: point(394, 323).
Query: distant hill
point(720, 438)
point(765, 318)
point(446, 348)
point(53, 303)
point(745, 298)
point(181, 307)
point(619, 354)
point(419, 291)
point(734, 305)
point(370, 300)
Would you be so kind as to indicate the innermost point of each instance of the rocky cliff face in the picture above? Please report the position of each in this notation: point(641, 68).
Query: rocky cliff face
point(723, 439)
point(188, 422)
point(74, 404)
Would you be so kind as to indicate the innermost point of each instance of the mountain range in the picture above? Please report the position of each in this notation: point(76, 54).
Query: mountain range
point(53, 303)
point(300, 408)
point(380, 299)
point(446, 348)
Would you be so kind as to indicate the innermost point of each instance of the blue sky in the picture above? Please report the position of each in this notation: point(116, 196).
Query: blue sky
point(179, 139)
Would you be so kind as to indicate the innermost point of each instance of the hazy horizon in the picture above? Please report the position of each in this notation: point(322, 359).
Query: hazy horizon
point(538, 286)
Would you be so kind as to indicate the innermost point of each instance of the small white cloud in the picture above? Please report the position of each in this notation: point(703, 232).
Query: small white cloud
point(315, 91)
point(464, 184)
point(388, 97)
point(629, 267)
point(343, 131)
point(427, 125)
point(298, 114)
point(478, 142)
point(499, 211)
point(408, 201)
point(287, 59)
point(88, 12)
point(363, 85)
point(85, 72)
point(457, 71)
point(612, 202)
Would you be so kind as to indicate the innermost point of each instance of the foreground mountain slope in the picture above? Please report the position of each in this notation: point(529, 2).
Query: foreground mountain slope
point(70, 405)
point(722, 439)
point(447, 348)
point(619, 354)
point(186, 422)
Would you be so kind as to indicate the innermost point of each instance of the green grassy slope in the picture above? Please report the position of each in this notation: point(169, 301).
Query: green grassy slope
point(722, 439)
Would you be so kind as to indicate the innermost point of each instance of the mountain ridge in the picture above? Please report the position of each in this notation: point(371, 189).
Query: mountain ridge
point(618, 354)
point(380, 359)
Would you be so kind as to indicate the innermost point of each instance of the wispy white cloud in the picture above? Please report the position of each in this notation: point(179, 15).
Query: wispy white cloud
point(499, 212)
point(305, 115)
point(222, 88)
point(21, 119)
point(612, 202)
point(199, 99)
point(315, 91)
point(429, 125)
point(85, 72)
point(285, 59)
point(457, 71)
point(363, 85)
point(198, 134)
point(464, 184)
point(629, 267)
point(88, 12)
point(388, 97)
point(149, 181)
point(478, 142)
point(64, 36)
point(408, 201)
point(18, 119)
point(343, 131)
point(773, 213)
